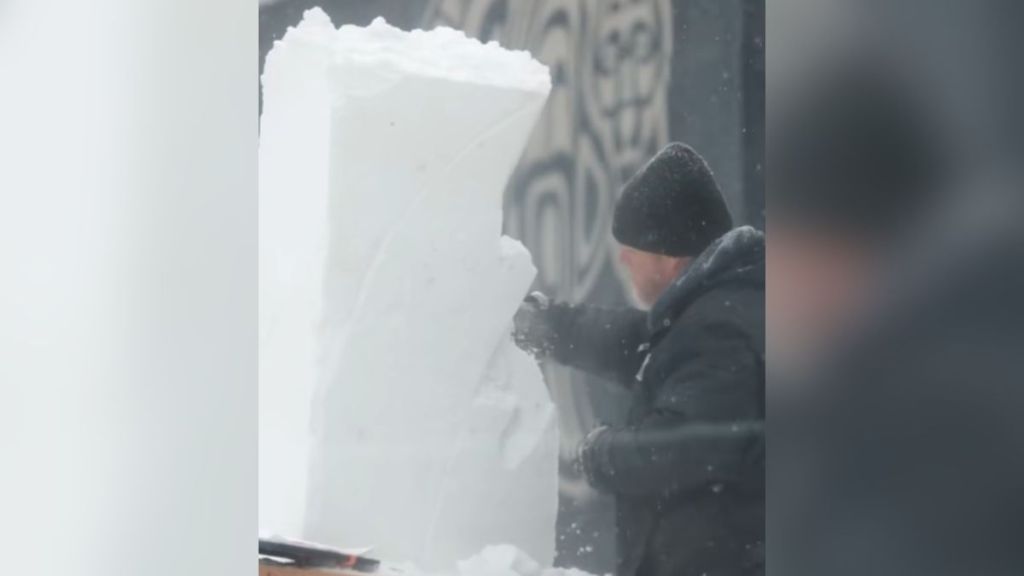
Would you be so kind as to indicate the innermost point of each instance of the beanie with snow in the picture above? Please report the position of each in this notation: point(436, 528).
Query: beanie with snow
point(672, 206)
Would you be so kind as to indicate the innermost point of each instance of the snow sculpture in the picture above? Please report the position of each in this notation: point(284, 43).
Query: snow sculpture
point(394, 410)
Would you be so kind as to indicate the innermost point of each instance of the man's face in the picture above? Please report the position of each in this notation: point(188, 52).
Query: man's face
point(650, 273)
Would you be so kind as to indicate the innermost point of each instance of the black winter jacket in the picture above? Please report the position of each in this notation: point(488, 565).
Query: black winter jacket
point(688, 468)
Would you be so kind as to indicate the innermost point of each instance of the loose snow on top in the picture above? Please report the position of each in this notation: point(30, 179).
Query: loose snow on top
point(441, 52)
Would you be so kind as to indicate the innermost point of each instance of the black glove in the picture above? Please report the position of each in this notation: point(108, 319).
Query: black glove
point(532, 330)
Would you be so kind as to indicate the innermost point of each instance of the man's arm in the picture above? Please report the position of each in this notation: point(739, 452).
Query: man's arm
point(661, 459)
point(707, 420)
point(601, 341)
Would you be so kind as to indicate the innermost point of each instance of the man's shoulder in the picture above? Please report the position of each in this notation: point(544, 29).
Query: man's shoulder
point(727, 318)
point(729, 303)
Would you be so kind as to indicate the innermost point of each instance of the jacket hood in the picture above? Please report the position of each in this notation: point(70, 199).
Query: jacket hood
point(736, 258)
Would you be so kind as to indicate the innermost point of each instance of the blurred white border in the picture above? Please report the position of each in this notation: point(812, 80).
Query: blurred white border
point(128, 260)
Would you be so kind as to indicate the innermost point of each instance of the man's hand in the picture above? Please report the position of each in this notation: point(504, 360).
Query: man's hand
point(532, 330)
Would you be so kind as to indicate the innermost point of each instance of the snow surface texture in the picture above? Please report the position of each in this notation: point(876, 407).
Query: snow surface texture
point(394, 410)
point(502, 560)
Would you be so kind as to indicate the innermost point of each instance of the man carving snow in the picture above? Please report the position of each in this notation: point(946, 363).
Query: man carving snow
point(688, 468)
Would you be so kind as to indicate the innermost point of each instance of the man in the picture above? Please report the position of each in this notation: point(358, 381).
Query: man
point(688, 468)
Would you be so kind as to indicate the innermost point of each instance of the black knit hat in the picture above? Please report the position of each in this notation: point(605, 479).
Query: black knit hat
point(672, 206)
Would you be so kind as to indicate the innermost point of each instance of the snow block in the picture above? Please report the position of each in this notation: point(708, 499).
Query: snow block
point(394, 410)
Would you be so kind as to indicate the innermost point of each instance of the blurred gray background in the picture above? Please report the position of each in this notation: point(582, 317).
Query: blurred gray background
point(628, 77)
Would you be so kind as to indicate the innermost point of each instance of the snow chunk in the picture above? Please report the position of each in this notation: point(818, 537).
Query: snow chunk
point(499, 560)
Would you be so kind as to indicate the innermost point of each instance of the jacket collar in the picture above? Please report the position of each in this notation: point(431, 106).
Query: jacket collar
point(736, 257)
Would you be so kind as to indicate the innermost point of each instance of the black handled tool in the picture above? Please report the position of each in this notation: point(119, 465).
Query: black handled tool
point(308, 556)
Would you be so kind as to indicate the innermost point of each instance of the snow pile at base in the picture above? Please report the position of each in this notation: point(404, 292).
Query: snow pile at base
point(394, 410)
point(500, 560)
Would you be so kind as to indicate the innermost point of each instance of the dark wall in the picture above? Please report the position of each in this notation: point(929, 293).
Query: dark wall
point(717, 95)
point(628, 76)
